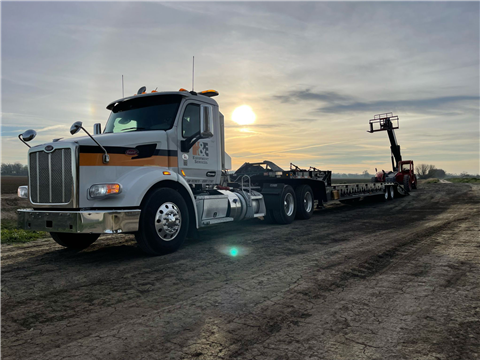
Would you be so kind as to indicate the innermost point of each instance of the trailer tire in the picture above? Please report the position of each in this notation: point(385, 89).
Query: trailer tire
point(286, 213)
point(391, 190)
point(74, 241)
point(164, 222)
point(305, 199)
point(407, 186)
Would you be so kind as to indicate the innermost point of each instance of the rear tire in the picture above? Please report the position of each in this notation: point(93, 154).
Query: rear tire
point(288, 207)
point(74, 241)
point(304, 197)
point(407, 186)
point(164, 222)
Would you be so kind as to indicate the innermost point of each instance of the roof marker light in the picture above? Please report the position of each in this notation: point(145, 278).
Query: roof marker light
point(209, 93)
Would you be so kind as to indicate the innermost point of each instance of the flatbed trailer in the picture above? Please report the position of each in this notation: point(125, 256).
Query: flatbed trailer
point(266, 177)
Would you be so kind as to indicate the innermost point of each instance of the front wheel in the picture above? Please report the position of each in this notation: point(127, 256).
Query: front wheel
point(414, 183)
point(74, 241)
point(288, 207)
point(407, 185)
point(163, 223)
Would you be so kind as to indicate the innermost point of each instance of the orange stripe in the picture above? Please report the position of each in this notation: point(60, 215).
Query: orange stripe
point(126, 160)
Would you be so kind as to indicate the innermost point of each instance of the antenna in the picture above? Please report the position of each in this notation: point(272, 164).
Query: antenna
point(123, 92)
point(193, 73)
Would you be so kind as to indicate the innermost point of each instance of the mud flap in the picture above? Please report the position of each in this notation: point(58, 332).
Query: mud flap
point(271, 195)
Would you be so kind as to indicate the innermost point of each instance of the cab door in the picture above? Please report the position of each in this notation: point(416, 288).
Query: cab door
point(199, 164)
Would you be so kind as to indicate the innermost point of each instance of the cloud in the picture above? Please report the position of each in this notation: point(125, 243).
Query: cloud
point(308, 95)
point(431, 105)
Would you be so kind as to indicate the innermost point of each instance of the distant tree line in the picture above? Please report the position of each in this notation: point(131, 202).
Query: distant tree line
point(16, 169)
point(364, 174)
point(427, 171)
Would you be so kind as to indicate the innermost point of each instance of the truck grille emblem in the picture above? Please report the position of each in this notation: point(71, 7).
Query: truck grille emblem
point(131, 152)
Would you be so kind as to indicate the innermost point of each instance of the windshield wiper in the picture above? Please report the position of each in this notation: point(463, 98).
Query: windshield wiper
point(133, 128)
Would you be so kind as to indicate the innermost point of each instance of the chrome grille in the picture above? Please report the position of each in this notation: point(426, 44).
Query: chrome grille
point(51, 178)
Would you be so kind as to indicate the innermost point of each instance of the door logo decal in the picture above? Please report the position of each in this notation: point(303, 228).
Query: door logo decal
point(200, 149)
point(200, 152)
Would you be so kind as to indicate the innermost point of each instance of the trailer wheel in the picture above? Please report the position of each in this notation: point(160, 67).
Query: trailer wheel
point(288, 208)
point(163, 223)
point(304, 196)
point(74, 241)
point(386, 196)
point(407, 186)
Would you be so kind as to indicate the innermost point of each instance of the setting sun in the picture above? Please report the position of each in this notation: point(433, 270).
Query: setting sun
point(243, 115)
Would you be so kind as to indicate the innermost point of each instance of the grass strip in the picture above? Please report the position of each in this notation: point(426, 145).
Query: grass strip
point(472, 180)
point(10, 234)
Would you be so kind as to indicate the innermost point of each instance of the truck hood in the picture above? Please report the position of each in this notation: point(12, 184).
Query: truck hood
point(129, 139)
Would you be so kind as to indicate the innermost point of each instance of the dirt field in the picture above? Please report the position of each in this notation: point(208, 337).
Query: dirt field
point(10, 184)
point(392, 280)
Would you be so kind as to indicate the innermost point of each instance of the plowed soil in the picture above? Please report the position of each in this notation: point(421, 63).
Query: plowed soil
point(379, 280)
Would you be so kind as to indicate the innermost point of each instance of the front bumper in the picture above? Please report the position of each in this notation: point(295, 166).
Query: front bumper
point(87, 222)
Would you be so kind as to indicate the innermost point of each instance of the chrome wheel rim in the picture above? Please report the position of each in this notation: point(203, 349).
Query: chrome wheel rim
point(386, 194)
point(308, 201)
point(392, 192)
point(288, 204)
point(168, 221)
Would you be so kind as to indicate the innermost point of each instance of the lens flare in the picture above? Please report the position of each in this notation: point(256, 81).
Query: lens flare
point(233, 252)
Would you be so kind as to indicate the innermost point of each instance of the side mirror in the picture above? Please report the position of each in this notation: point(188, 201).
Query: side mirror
point(28, 135)
point(97, 129)
point(77, 125)
point(206, 122)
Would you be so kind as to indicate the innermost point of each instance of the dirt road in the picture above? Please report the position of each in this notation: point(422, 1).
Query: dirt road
point(392, 280)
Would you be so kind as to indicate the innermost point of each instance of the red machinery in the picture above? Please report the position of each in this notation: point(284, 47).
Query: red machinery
point(403, 170)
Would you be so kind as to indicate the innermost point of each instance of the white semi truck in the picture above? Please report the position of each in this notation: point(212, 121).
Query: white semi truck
point(159, 170)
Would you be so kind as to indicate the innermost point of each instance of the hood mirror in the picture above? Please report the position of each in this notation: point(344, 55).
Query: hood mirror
point(27, 136)
point(75, 128)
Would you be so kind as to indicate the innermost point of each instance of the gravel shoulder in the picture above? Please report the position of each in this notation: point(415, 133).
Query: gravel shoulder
point(381, 280)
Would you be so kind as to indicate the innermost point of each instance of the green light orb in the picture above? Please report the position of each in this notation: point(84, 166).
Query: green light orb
point(233, 252)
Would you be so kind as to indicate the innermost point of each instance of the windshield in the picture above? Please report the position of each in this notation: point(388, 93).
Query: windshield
point(405, 167)
point(144, 113)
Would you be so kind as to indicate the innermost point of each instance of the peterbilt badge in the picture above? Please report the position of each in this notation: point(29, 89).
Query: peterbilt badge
point(49, 148)
point(131, 152)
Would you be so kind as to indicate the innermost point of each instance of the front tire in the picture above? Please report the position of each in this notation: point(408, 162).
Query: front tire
point(163, 223)
point(288, 207)
point(407, 185)
point(304, 197)
point(414, 184)
point(74, 241)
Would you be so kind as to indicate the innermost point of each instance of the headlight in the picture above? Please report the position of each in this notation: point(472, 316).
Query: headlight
point(22, 192)
point(102, 190)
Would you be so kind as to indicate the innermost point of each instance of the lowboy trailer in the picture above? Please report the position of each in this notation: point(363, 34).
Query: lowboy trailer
point(159, 170)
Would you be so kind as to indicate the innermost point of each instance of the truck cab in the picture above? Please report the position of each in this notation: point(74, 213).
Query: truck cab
point(153, 171)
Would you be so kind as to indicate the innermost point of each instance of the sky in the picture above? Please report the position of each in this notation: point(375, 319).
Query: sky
point(314, 73)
